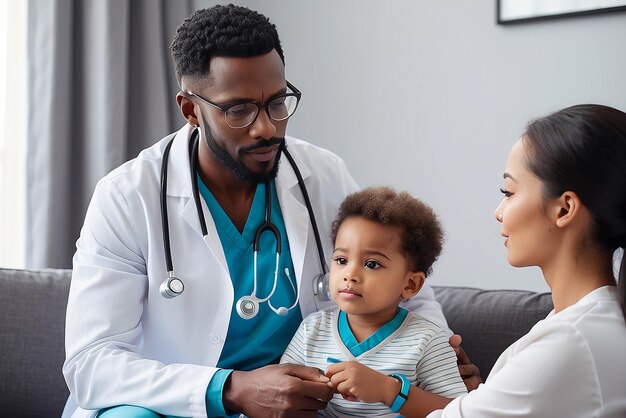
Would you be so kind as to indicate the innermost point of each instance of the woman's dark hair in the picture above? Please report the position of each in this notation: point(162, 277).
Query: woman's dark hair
point(582, 149)
point(227, 31)
point(422, 235)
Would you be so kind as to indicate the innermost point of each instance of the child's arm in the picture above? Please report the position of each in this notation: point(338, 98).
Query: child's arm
point(437, 369)
point(355, 381)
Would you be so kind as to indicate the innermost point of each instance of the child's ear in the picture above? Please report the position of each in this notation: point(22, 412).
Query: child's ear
point(414, 284)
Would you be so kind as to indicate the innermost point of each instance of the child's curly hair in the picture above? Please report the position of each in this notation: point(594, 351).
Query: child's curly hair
point(422, 237)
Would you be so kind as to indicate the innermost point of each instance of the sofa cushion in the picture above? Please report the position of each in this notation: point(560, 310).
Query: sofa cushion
point(33, 305)
point(490, 320)
point(32, 342)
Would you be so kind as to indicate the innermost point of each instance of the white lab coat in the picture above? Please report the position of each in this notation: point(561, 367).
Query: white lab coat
point(125, 343)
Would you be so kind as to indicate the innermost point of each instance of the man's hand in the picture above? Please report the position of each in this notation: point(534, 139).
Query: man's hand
point(280, 390)
point(469, 372)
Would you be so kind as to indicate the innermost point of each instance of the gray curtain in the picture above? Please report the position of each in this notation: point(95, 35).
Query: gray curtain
point(101, 88)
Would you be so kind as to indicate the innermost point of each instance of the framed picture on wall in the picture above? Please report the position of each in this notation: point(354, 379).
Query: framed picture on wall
point(514, 11)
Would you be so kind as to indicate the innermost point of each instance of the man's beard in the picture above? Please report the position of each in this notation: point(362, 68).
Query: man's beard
point(240, 171)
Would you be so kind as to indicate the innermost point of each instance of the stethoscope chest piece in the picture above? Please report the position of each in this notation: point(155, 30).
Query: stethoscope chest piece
point(171, 287)
point(321, 287)
point(247, 307)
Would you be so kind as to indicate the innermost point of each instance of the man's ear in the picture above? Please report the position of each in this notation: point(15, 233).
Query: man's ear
point(187, 108)
point(414, 284)
point(566, 208)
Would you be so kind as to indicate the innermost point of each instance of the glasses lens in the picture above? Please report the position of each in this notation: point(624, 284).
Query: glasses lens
point(241, 115)
point(283, 107)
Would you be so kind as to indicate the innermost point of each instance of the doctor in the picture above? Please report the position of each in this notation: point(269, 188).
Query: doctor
point(182, 296)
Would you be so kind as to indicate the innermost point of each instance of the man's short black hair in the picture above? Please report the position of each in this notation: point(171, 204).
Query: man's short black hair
point(227, 31)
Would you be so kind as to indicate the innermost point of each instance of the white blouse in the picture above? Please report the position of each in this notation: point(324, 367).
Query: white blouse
point(571, 364)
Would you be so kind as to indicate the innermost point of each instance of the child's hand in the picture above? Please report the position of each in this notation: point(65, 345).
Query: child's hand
point(355, 381)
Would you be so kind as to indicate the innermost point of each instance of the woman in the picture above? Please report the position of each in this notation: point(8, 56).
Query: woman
point(564, 210)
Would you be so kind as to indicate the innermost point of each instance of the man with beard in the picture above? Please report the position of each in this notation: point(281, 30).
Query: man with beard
point(211, 200)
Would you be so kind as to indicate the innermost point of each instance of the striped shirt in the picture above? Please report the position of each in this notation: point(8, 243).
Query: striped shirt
point(408, 345)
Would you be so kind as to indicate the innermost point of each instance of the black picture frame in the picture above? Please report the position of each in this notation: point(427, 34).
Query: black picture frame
point(506, 14)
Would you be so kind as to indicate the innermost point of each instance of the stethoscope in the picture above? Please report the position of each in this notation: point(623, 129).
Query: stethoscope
point(247, 306)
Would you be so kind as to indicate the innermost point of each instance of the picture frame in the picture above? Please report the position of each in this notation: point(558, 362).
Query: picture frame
point(516, 11)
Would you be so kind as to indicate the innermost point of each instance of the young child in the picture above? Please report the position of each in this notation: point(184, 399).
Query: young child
point(373, 350)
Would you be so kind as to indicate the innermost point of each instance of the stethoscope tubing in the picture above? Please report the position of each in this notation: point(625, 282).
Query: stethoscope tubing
point(165, 288)
point(193, 158)
point(164, 218)
point(309, 207)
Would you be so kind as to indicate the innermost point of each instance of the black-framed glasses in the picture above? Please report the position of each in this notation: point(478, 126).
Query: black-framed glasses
point(242, 115)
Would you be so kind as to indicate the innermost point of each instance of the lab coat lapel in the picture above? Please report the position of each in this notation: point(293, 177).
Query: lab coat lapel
point(179, 184)
point(294, 212)
point(211, 239)
point(179, 168)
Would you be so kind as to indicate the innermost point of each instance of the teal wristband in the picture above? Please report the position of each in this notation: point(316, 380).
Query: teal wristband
point(403, 395)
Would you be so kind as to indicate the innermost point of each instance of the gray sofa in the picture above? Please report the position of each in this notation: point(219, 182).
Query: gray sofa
point(32, 307)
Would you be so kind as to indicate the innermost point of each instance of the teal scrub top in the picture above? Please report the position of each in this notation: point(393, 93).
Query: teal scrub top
point(259, 341)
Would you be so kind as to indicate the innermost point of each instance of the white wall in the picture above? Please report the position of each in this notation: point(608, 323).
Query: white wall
point(429, 96)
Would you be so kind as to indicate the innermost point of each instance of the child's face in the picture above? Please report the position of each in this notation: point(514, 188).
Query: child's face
point(370, 274)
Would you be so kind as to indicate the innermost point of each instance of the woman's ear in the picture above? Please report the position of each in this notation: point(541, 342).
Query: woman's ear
point(187, 108)
point(414, 284)
point(566, 209)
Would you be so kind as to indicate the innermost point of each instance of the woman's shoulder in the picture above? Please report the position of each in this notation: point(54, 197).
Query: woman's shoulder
point(589, 337)
point(577, 352)
point(596, 318)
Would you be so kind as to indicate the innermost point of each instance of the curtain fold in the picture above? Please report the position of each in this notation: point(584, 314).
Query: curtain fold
point(101, 88)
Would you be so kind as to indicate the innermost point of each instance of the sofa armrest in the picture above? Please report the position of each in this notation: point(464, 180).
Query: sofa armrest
point(32, 308)
point(490, 320)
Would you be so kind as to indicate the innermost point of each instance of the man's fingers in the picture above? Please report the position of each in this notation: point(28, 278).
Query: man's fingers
point(461, 357)
point(300, 414)
point(315, 390)
point(472, 383)
point(471, 376)
point(306, 373)
point(285, 390)
point(310, 404)
point(455, 341)
point(468, 370)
